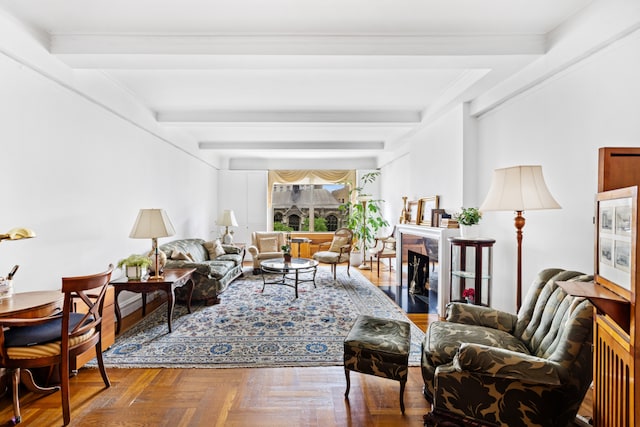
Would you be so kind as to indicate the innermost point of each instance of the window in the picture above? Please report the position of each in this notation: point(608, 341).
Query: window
point(308, 200)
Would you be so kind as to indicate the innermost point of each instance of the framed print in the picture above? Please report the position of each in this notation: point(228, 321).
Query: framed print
point(426, 206)
point(412, 212)
point(436, 215)
point(616, 231)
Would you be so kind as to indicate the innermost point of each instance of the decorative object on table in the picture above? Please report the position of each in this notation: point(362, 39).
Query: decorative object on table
point(152, 224)
point(518, 188)
point(224, 336)
point(161, 261)
point(6, 283)
point(468, 218)
point(135, 266)
point(425, 206)
point(403, 214)
point(228, 219)
point(286, 249)
point(363, 216)
point(469, 295)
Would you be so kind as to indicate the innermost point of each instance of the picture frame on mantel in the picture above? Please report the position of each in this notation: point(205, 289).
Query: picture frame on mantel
point(426, 205)
point(616, 238)
point(412, 212)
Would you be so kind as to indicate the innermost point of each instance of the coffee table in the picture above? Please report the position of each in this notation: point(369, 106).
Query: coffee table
point(172, 279)
point(290, 272)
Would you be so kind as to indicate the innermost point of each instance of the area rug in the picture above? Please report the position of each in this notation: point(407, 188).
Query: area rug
point(252, 328)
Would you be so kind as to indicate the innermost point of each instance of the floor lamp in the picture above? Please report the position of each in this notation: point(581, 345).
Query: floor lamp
point(519, 189)
point(151, 224)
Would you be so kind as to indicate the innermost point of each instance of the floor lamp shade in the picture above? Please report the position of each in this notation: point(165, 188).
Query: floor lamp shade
point(518, 188)
point(228, 219)
point(152, 224)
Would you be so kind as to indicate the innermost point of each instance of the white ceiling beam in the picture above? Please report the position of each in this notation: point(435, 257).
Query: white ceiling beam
point(304, 146)
point(358, 117)
point(297, 44)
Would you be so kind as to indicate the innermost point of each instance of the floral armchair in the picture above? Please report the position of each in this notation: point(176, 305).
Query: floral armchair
point(496, 368)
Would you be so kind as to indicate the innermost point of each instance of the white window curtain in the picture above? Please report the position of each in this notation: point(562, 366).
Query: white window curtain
point(306, 177)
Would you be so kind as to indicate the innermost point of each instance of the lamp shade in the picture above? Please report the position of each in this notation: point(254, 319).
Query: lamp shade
point(518, 188)
point(152, 223)
point(228, 219)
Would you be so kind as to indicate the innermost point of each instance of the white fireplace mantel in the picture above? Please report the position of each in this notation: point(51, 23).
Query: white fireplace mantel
point(444, 254)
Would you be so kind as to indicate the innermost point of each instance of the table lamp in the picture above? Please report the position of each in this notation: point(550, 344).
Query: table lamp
point(18, 234)
point(228, 219)
point(152, 224)
point(519, 189)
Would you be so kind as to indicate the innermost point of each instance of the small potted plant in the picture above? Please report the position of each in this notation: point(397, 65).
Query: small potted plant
point(135, 266)
point(469, 295)
point(468, 218)
point(286, 252)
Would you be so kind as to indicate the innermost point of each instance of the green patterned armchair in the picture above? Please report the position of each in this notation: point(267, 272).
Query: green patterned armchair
point(496, 368)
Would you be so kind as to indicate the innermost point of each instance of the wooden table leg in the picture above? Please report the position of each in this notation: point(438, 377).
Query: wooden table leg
point(190, 294)
point(118, 313)
point(170, 302)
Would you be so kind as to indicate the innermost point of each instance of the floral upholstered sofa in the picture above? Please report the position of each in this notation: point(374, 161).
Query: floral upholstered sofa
point(499, 369)
point(214, 271)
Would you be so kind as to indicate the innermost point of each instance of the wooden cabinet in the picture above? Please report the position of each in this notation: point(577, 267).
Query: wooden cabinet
point(108, 332)
point(617, 317)
point(471, 268)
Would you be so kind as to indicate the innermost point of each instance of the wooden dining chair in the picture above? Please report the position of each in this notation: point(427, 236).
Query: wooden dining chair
point(52, 341)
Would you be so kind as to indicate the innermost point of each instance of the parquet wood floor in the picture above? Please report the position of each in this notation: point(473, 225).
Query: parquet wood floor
point(230, 397)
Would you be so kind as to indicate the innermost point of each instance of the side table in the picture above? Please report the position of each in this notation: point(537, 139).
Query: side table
point(172, 279)
point(471, 259)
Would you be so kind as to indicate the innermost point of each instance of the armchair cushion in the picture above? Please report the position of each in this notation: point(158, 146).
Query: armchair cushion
point(471, 314)
point(268, 244)
point(339, 243)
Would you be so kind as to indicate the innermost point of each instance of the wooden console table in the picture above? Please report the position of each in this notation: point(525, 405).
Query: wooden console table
point(173, 278)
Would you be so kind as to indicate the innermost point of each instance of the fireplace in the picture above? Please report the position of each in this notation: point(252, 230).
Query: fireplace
point(423, 255)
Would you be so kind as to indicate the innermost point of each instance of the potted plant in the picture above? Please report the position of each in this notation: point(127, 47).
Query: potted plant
point(363, 216)
point(135, 266)
point(286, 252)
point(468, 218)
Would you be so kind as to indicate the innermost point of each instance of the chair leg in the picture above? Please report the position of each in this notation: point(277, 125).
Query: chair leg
point(64, 388)
point(15, 384)
point(333, 268)
point(402, 384)
point(348, 265)
point(378, 266)
point(103, 371)
point(346, 374)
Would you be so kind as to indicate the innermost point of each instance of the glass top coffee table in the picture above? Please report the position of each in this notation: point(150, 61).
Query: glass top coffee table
point(288, 273)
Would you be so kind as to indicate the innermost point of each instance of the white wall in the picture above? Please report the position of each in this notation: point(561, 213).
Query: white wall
point(433, 165)
point(77, 173)
point(559, 124)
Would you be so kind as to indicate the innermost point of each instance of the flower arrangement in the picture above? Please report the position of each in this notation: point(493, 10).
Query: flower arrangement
point(135, 261)
point(469, 293)
point(286, 249)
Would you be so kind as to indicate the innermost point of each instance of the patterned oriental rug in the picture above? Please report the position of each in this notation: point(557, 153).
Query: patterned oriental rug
point(251, 328)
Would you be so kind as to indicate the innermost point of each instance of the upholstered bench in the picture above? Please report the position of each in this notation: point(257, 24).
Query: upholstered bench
point(378, 347)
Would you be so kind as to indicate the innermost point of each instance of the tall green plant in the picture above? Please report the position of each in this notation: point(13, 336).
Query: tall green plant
point(364, 229)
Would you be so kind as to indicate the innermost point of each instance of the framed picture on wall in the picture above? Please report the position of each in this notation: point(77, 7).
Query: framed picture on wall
point(426, 206)
point(412, 212)
point(616, 234)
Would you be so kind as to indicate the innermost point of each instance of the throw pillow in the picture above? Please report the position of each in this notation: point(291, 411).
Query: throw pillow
point(268, 244)
point(214, 248)
point(181, 256)
point(337, 243)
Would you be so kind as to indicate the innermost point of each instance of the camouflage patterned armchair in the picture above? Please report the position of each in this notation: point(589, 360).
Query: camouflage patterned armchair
point(497, 368)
